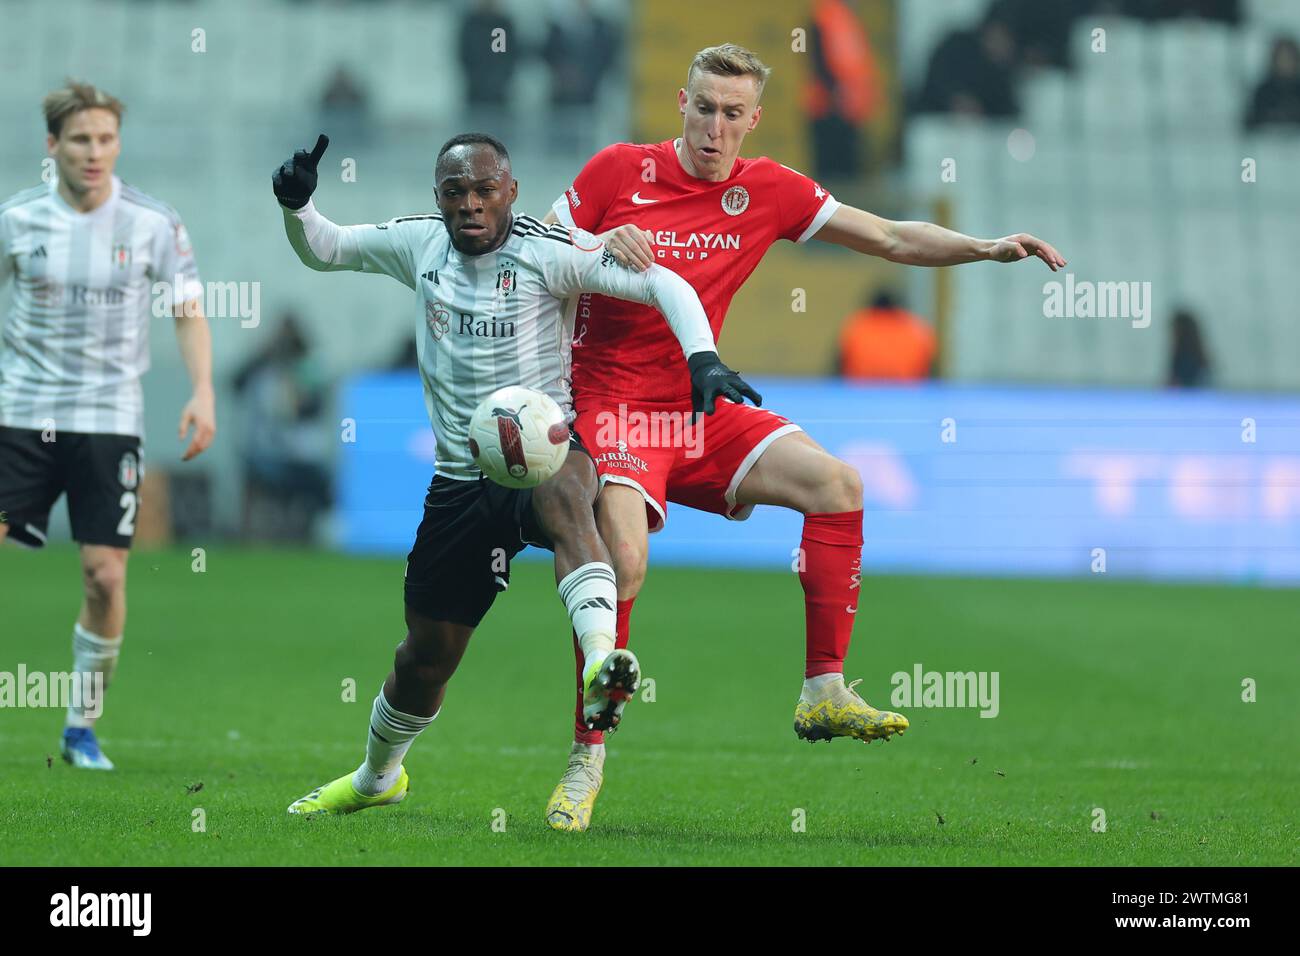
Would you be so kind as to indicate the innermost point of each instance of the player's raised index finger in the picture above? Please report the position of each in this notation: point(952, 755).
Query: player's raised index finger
point(317, 151)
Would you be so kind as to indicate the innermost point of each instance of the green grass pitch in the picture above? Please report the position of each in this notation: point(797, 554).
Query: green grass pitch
point(1113, 695)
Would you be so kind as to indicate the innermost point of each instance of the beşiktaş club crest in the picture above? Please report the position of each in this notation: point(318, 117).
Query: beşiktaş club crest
point(128, 471)
point(122, 255)
point(507, 277)
point(735, 200)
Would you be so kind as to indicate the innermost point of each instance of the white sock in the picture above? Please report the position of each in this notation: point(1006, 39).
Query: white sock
point(591, 596)
point(390, 737)
point(91, 655)
point(596, 750)
point(817, 687)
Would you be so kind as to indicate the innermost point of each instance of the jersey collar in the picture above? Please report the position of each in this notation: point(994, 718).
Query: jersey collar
point(691, 177)
point(101, 209)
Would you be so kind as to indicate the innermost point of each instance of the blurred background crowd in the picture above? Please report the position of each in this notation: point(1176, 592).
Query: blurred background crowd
point(1150, 140)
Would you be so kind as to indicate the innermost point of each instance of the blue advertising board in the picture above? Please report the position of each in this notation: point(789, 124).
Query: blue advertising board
point(957, 479)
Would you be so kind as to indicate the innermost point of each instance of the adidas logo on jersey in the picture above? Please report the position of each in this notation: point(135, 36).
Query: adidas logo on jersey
point(431, 276)
point(39, 253)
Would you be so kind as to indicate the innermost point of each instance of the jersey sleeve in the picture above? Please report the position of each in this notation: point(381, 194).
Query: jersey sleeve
point(587, 265)
point(804, 205)
point(585, 203)
point(387, 248)
point(174, 261)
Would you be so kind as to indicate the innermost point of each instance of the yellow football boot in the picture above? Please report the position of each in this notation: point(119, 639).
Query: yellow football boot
point(575, 794)
point(339, 796)
point(839, 712)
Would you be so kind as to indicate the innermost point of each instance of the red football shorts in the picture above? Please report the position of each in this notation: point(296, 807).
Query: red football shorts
point(655, 448)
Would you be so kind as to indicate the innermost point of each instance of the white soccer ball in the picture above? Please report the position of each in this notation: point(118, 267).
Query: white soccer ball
point(518, 437)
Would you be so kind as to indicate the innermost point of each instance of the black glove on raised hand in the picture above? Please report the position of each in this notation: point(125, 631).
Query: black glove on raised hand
point(711, 380)
point(295, 181)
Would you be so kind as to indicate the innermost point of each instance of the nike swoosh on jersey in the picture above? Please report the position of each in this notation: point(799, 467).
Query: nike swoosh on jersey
point(636, 198)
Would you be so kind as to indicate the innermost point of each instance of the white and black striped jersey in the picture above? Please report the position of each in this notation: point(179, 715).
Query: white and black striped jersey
point(76, 340)
point(483, 322)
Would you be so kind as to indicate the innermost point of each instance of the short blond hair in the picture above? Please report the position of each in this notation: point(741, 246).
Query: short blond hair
point(728, 59)
point(74, 97)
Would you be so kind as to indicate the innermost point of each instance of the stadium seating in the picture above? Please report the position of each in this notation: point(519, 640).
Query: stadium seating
point(1136, 175)
point(203, 131)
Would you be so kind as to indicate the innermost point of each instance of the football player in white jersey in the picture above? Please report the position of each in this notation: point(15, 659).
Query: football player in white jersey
point(86, 253)
point(495, 301)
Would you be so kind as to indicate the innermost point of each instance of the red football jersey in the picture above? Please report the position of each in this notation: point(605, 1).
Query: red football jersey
point(712, 234)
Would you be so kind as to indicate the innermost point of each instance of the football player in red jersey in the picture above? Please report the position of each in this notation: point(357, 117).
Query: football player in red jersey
point(695, 205)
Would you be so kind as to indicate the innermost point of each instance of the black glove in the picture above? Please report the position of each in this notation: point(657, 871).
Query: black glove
point(295, 181)
point(711, 380)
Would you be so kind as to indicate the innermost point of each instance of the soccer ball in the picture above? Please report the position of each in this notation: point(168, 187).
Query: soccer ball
point(518, 437)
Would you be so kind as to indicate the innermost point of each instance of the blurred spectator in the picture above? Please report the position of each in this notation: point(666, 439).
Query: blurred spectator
point(1189, 364)
point(285, 438)
point(581, 46)
point(1041, 31)
point(843, 91)
point(885, 341)
point(1225, 11)
point(407, 356)
point(971, 72)
point(489, 52)
point(1277, 98)
point(345, 108)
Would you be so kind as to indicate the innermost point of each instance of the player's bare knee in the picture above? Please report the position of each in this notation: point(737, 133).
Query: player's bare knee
point(565, 504)
point(424, 660)
point(850, 485)
point(104, 580)
point(629, 568)
point(839, 490)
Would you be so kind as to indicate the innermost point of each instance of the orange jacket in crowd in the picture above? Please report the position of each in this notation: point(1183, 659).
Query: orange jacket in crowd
point(847, 52)
point(886, 343)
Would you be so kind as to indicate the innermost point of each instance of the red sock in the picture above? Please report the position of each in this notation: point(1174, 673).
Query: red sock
point(624, 621)
point(832, 572)
point(581, 735)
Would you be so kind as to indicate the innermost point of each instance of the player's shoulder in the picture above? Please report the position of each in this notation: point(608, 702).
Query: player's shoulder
point(422, 227)
point(549, 241)
point(530, 227)
point(768, 168)
point(625, 153)
point(419, 220)
point(24, 197)
point(551, 237)
point(148, 204)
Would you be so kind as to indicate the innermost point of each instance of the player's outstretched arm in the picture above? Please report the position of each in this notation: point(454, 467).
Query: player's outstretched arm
point(570, 270)
point(319, 243)
point(925, 244)
point(326, 246)
point(680, 304)
point(200, 412)
point(677, 300)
